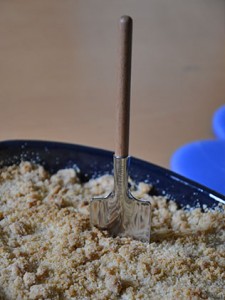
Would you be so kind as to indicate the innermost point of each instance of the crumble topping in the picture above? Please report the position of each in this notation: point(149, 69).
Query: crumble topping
point(48, 249)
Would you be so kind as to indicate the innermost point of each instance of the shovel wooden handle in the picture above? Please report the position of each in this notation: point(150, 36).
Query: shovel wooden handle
point(123, 98)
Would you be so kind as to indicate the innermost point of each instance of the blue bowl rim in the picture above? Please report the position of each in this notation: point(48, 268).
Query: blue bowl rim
point(94, 150)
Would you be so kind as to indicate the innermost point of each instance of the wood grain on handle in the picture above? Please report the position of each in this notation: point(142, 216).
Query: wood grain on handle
point(123, 98)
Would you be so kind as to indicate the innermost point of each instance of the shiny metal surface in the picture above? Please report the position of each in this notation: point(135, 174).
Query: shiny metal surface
point(120, 213)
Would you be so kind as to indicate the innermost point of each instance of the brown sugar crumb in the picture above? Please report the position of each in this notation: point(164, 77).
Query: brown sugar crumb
point(48, 249)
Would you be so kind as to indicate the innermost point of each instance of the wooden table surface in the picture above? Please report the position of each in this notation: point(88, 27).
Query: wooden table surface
point(58, 71)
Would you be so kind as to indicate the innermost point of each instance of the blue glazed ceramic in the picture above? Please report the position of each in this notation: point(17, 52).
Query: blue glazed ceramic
point(202, 161)
point(94, 162)
point(218, 122)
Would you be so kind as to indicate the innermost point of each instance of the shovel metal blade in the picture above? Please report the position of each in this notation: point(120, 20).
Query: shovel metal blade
point(120, 213)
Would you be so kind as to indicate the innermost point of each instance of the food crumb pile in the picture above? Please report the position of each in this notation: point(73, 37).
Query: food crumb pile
point(48, 249)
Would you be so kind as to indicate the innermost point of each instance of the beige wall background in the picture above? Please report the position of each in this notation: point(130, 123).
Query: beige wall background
point(58, 71)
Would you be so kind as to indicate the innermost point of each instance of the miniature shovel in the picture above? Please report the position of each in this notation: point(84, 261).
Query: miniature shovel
point(120, 213)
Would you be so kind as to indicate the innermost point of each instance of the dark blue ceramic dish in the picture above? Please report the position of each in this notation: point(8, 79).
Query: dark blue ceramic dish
point(95, 162)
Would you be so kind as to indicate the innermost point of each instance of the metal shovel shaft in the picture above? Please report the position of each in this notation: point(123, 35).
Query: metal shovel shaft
point(120, 213)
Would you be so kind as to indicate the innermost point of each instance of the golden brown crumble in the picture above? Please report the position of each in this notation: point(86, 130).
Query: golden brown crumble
point(49, 251)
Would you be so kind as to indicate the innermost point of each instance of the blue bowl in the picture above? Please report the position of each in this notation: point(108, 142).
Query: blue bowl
point(94, 162)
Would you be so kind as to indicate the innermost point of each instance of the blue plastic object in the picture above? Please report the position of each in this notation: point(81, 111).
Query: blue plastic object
point(202, 161)
point(218, 122)
point(94, 162)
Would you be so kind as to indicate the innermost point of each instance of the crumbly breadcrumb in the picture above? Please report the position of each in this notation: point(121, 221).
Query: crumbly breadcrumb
point(49, 251)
